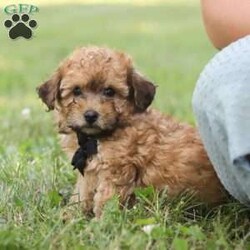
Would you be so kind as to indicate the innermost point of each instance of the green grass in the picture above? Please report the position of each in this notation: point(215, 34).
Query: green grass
point(169, 45)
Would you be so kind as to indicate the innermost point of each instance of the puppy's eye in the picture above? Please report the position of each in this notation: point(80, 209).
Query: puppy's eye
point(77, 91)
point(109, 92)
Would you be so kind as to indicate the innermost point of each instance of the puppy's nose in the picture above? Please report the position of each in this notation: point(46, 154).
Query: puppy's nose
point(91, 116)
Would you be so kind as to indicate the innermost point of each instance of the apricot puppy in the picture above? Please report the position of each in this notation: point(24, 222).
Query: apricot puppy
point(101, 103)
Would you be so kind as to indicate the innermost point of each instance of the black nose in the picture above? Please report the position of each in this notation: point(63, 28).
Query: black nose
point(91, 116)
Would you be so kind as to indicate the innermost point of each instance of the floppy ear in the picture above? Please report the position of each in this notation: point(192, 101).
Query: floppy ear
point(143, 91)
point(48, 90)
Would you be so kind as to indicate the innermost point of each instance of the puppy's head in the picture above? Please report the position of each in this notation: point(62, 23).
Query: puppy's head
point(95, 90)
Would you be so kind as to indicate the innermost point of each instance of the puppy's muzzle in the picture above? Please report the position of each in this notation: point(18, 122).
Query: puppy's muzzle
point(91, 116)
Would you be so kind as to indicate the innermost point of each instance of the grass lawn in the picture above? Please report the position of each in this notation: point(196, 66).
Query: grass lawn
point(169, 45)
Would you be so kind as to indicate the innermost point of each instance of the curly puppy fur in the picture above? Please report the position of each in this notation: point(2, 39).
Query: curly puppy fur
point(143, 146)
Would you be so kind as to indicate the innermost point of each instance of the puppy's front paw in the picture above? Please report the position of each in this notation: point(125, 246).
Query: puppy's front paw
point(67, 214)
point(97, 212)
point(105, 192)
point(86, 206)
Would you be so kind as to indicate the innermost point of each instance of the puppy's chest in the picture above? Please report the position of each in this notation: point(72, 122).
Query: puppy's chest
point(110, 154)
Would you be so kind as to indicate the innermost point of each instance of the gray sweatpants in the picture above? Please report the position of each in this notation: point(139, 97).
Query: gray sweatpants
point(221, 103)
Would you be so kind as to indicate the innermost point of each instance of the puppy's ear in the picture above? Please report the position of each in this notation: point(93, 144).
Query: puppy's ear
point(49, 89)
point(142, 90)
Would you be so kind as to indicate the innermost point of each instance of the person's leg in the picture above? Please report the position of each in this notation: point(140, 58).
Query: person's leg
point(221, 103)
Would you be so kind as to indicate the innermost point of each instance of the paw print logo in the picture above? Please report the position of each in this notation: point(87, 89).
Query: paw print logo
point(20, 26)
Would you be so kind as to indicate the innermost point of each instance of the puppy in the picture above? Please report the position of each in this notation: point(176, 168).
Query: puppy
point(101, 103)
